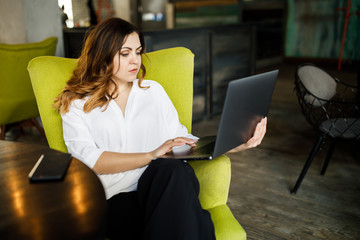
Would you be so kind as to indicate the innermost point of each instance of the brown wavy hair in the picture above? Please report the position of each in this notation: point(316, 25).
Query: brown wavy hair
point(93, 75)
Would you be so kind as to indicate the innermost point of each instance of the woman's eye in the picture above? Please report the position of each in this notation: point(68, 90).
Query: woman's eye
point(138, 53)
point(124, 54)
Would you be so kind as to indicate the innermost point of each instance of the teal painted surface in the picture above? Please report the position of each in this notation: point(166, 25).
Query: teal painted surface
point(315, 28)
point(208, 16)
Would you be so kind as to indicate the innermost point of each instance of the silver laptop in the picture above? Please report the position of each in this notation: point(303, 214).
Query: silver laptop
point(247, 101)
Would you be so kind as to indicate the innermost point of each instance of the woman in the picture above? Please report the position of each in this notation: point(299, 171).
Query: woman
point(118, 124)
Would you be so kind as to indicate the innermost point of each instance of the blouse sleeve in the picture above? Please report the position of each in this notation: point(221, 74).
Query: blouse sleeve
point(78, 138)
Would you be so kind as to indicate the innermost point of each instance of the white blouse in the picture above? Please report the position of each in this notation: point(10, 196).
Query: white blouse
point(150, 119)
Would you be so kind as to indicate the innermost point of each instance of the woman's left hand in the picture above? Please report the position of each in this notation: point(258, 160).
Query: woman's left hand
point(259, 134)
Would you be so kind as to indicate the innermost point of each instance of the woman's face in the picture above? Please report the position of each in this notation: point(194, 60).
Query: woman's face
point(127, 61)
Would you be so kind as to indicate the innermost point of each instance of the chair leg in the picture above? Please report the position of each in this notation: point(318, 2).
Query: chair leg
point(328, 156)
point(38, 126)
point(3, 129)
point(308, 163)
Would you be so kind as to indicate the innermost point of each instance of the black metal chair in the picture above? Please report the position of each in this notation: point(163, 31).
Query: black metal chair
point(330, 106)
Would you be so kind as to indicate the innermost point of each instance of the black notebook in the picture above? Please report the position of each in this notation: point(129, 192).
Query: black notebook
point(50, 167)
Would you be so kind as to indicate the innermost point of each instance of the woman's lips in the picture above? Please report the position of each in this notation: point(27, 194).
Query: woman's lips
point(135, 70)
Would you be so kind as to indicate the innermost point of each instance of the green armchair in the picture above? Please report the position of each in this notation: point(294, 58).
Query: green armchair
point(17, 100)
point(173, 69)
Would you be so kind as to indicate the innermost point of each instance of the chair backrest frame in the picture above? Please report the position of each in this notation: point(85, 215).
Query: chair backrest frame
point(336, 117)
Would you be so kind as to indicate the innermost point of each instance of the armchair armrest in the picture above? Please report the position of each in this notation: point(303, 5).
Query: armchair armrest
point(214, 178)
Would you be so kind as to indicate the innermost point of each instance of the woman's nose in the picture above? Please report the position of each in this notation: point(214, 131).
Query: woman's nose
point(135, 58)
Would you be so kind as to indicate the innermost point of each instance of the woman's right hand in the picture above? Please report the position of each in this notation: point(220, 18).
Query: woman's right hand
point(169, 144)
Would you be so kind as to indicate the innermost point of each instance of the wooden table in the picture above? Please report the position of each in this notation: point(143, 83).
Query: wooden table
point(73, 208)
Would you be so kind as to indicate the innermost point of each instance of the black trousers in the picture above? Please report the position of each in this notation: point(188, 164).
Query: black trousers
point(165, 206)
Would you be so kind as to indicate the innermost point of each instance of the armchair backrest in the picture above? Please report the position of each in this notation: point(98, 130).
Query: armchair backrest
point(172, 68)
point(15, 85)
point(319, 84)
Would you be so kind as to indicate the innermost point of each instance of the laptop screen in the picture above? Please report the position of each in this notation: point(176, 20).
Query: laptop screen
point(247, 102)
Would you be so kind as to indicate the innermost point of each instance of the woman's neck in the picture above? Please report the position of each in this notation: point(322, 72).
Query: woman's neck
point(124, 87)
point(121, 87)
point(122, 96)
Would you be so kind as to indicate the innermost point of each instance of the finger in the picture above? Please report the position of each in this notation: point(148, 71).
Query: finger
point(187, 139)
point(262, 129)
point(256, 139)
point(177, 142)
point(265, 119)
point(258, 131)
point(169, 144)
point(173, 142)
point(184, 140)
